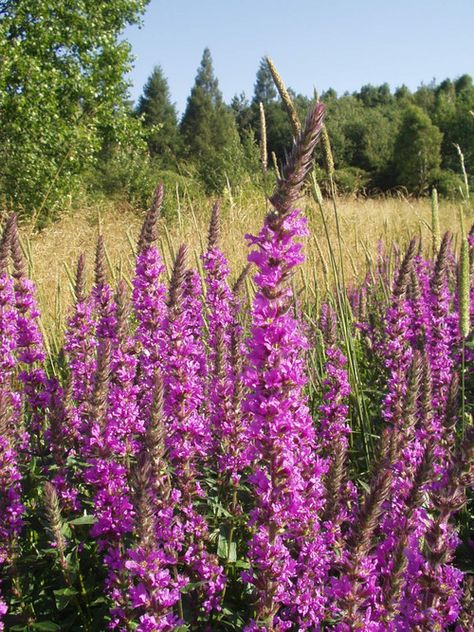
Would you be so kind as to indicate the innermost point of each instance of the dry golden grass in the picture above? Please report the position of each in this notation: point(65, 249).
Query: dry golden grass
point(53, 252)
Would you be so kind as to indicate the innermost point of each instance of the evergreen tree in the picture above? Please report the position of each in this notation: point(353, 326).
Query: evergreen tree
point(208, 127)
point(159, 115)
point(264, 89)
point(417, 150)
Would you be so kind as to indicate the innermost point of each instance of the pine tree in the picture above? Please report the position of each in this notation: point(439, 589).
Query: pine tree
point(264, 88)
point(159, 115)
point(208, 127)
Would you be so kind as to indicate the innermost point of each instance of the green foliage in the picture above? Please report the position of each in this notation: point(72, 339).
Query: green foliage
point(264, 89)
point(448, 183)
point(159, 116)
point(208, 127)
point(62, 92)
point(372, 96)
point(129, 173)
point(351, 180)
point(417, 150)
point(126, 172)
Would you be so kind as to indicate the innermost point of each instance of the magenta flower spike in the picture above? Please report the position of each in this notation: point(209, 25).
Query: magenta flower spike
point(149, 305)
point(188, 437)
point(288, 552)
point(80, 342)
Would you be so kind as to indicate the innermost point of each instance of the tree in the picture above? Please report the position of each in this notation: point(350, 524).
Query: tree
point(208, 127)
point(371, 96)
point(159, 115)
point(264, 88)
point(417, 150)
point(62, 91)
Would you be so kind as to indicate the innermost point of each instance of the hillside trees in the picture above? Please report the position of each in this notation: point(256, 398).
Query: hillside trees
point(62, 92)
point(159, 116)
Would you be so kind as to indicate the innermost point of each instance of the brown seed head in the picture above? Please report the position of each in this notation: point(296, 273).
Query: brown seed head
point(80, 281)
point(214, 226)
point(123, 310)
point(404, 273)
point(178, 277)
point(5, 242)
point(149, 232)
point(101, 383)
point(54, 519)
point(299, 163)
point(99, 270)
point(285, 97)
point(19, 264)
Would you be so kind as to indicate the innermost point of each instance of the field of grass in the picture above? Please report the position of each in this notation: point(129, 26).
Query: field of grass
point(53, 252)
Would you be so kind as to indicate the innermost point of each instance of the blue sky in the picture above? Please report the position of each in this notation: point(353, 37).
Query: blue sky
point(342, 44)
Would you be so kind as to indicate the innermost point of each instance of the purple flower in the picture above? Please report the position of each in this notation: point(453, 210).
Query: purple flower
point(287, 552)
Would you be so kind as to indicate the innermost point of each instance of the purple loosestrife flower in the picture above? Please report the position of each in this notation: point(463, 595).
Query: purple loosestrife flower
point(219, 297)
point(152, 565)
point(333, 424)
point(226, 349)
point(3, 612)
point(442, 341)
point(193, 306)
point(81, 342)
point(395, 347)
point(188, 430)
point(224, 340)
point(288, 553)
point(333, 431)
point(62, 438)
point(11, 507)
point(30, 342)
point(107, 475)
point(123, 425)
point(103, 304)
point(149, 295)
point(9, 399)
point(29, 352)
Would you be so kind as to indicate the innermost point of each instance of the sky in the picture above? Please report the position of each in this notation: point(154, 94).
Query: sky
point(342, 44)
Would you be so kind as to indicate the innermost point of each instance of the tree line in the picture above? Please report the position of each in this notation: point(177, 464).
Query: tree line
point(67, 124)
point(380, 140)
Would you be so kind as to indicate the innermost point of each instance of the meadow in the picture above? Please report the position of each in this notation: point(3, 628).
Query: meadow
point(365, 223)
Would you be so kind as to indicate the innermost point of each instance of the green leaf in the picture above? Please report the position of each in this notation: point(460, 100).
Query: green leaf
point(63, 597)
point(223, 549)
point(83, 520)
point(46, 626)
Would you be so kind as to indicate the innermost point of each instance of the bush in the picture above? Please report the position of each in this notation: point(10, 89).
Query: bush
point(449, 184)
point(351, 180)
point(130, 173)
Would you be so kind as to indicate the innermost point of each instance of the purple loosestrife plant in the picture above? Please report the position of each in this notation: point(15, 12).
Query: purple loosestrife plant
point(81, 342)
point(107, 476)
point(287, 552)
point(442, 341)
point(103, 304)
point(152, 565)
point(333, 432)
point(30, 351)
point(149, 305)
point(11, 507)
point(188, 436)
point(222, 313)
